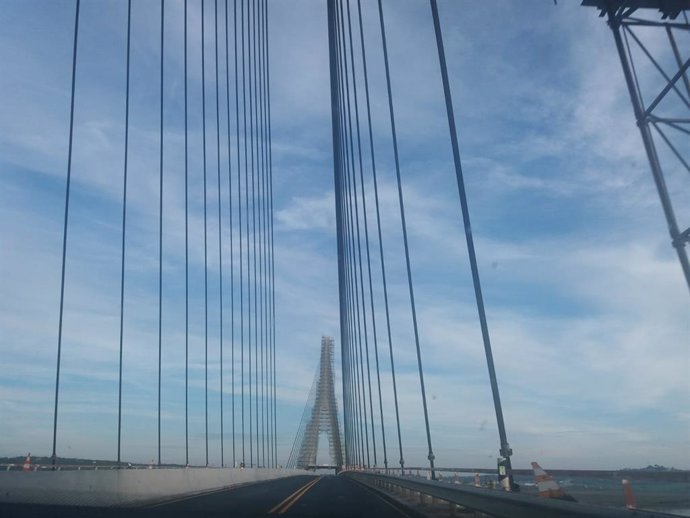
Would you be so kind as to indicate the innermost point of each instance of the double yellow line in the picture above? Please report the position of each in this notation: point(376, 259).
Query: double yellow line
point(283, 506)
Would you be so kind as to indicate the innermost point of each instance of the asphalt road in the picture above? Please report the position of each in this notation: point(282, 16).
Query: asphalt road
point(305, 496)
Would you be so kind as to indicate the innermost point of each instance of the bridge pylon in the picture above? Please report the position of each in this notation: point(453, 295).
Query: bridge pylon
point(320, 415)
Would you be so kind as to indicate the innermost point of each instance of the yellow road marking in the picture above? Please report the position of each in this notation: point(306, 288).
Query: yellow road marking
point(292, 499)
point(298, 496)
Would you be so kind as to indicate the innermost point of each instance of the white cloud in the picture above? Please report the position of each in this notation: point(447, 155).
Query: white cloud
point(308, 214)
point(589, 322)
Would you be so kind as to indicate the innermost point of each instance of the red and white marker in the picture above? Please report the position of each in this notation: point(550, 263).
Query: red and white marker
point(548, 488)
point(27, 463)
point(630, 502)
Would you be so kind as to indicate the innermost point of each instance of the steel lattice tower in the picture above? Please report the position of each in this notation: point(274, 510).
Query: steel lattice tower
point(655, 125)
point(320, 415)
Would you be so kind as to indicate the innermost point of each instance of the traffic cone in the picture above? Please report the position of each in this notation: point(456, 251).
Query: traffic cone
point(629, 495)
point(548, 488)
point(27, 463)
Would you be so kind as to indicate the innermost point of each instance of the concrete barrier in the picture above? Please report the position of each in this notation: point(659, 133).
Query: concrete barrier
point(123, 487)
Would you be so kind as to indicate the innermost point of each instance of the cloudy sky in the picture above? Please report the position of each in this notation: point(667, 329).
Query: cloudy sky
point(587, 308)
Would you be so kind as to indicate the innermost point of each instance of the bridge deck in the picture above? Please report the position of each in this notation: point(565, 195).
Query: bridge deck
point(295, 496)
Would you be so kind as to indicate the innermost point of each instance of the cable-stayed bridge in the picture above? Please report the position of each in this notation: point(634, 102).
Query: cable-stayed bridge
point(320, 416)
point(211, 167)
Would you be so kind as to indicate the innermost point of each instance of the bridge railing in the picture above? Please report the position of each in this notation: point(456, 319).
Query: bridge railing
point(492, 502)
point(105, 467)
point(82, 467)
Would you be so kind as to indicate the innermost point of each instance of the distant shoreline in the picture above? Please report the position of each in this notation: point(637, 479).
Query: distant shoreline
point(631, 474)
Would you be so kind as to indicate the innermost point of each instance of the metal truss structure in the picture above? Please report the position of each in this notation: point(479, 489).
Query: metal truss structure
point(666, 118)
point(320, 415)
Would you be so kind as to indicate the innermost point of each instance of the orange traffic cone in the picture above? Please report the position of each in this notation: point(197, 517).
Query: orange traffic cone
point(27, 463)
point(629, 496)
point(548, 488)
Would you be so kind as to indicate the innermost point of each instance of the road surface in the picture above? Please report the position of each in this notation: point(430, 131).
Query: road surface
point(307, 496)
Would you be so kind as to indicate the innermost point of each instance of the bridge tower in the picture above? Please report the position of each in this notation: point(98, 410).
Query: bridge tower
point(320, 415)
point(664, 119)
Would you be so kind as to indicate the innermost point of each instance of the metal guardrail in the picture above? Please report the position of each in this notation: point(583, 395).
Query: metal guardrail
point(101, 467)
point(66, 467)
point(676, 475)
point(500, 504)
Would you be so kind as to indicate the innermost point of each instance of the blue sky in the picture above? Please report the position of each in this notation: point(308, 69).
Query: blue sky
point(586, 303)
